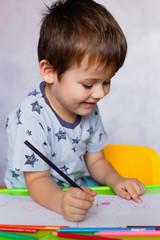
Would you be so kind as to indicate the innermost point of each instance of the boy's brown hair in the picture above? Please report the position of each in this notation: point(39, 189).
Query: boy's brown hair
point(73, 29)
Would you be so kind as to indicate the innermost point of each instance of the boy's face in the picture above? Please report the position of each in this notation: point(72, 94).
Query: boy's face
point(78, 90)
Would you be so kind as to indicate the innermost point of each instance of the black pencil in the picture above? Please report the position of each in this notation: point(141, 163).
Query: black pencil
point(52, 165)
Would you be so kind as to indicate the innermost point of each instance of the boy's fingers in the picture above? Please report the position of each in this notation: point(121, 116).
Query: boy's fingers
point(80, 206)
point(77, 193)
point(131, 188)
point(137, 199)
point(142, 188)
point(131, 193)
point(136, 190)
point(89, 190)
point(83, 195)
point(123, 193)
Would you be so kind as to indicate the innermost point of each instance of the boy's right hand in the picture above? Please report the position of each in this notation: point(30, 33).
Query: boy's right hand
point(76, 203)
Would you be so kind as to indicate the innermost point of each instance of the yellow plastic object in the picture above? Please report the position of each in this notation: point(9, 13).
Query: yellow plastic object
point(132, 161)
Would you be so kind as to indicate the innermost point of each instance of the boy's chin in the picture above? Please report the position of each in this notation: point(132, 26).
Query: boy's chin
point(85, 113)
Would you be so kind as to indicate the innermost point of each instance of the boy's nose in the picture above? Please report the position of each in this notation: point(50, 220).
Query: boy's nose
point(98, 92)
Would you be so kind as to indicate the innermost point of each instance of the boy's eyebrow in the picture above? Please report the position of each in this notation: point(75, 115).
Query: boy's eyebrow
point(97, 78)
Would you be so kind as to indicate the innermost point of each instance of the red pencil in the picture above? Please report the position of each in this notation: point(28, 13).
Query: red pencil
point(15, 229)
point(80, 236)
point(36, 227)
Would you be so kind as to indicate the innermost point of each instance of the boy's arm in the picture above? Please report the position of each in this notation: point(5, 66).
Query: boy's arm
point(73, 203)
point(104, 173)
point(42, 189)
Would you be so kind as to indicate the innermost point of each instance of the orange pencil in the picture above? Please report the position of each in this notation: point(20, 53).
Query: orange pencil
point(36, 227)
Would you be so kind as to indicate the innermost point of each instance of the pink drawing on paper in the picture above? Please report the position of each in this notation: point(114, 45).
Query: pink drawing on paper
point(139, 206)
point(112, 207)
point(3, 203)
point(30, 207)
point(105, 203)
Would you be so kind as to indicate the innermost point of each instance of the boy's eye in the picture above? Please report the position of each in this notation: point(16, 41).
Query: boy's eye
point(107, 83)
point(87, 86)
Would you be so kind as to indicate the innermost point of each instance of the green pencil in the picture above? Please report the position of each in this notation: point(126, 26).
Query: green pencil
point(16, 236)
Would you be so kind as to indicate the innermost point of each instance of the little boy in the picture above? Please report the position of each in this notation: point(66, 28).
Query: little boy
point(81, 47)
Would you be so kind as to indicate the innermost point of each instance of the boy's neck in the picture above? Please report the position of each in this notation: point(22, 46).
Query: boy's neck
point(60, 110)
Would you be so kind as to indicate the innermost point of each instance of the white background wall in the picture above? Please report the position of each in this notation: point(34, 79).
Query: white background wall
point(131, 112)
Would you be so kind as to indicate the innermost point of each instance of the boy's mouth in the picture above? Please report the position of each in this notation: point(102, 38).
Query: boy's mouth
point(89, 104)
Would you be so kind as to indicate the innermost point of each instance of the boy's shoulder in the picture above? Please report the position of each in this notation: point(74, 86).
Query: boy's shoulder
point(32, 103)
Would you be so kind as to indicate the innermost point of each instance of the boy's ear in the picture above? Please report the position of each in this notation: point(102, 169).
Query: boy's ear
point(46, 71)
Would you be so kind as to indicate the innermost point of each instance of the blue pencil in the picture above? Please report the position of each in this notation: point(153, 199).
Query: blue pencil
point(92, 230)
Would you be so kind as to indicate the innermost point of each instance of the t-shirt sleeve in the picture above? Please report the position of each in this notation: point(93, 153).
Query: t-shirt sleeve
point(98, 136)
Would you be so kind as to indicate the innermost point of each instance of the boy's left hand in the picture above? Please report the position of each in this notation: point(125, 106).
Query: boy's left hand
point(129, 188)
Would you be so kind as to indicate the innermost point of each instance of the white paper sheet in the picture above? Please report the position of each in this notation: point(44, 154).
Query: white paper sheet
point(112, 211)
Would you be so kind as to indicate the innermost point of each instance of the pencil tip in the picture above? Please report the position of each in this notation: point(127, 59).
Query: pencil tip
point(95, 203)
point(54, 233)
point(96, 234)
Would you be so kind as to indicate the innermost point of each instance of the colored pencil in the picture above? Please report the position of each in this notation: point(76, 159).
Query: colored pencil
point(156, 227)
point(92, 230)
point(36, 227)
point(16, 236)
point(80, 236)
point(128, 233)
point(16, 229)
point(52, 165)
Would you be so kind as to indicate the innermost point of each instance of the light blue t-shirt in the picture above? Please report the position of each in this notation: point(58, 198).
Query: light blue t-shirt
point(63, 143)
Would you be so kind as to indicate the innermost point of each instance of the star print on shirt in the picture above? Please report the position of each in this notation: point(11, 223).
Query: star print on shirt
point(41, 126)
point(100, 136)
point(96, 112)
point(61, 135)
point(45, 143)
point(75, 140)
point(14, 174)
point(34, 93)
point(53, 154)
point(73, 149)
point(90, 130)
point(29, 133)
point(49, 129)
point(31, 160)
point(7, 123)
point(18, 113)
point(36, 107)
point(64, 169)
